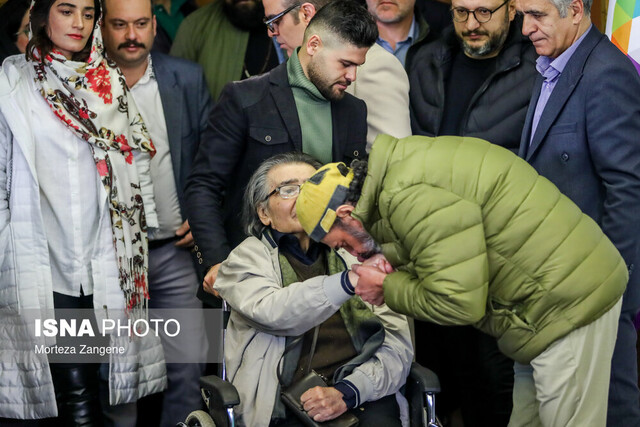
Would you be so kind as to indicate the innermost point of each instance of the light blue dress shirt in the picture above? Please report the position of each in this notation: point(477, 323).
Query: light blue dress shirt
point(402, 47)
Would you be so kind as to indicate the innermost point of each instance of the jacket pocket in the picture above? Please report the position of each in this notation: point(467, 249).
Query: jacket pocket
point(508, 316)
point(563, 128)
point(268, 136)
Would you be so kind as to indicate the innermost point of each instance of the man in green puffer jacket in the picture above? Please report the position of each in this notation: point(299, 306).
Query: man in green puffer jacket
point(477, 237)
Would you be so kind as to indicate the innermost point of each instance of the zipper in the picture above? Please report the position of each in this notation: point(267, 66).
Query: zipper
point(481, 91)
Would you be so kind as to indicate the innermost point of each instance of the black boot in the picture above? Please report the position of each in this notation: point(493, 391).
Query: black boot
point(77, 395)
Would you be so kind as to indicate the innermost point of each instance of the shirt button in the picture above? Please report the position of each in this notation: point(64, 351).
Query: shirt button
point(267, 138)
point(564, 157)
point(356, 153)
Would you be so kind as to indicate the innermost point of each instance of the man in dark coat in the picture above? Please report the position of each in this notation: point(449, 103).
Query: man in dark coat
point(299, 106)
point(475, 80)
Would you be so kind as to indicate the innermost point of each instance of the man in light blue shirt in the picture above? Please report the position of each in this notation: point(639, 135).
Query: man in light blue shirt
point(403, 24)
point(401, 47)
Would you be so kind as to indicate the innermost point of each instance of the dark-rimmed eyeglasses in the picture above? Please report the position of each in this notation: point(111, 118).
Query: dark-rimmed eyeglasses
point(286, 191)
point(482, 14)
point(272, 21)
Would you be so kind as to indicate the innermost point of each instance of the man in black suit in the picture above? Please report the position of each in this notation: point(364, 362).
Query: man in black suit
point(299, 106)
point(581, 132)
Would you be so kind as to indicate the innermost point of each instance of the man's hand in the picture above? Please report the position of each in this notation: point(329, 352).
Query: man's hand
point(380, 262)
point(370, 284)
point(210, 279)
point(323, 403)
point(187, 238)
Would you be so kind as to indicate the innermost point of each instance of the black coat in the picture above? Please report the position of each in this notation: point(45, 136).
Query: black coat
point(497, 110)
point(253, 120)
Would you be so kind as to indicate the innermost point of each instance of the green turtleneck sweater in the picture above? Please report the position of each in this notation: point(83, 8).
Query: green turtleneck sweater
point(314, 113)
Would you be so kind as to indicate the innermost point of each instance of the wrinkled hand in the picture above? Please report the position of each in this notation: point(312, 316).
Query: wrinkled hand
point(210, 279)
point(370, 281)
point(380, 262)
point(187, 238)
point(323, 403)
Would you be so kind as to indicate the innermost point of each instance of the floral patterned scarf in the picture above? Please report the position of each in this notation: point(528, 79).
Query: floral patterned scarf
point(92, 99)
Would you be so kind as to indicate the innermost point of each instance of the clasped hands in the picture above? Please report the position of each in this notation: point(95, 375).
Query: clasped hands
point(370, 276)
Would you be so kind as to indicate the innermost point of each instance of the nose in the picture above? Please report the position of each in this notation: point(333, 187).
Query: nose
point(131, 34)
point(527, 25)
point(351, 73)
point(472, 23)
point(78, 21)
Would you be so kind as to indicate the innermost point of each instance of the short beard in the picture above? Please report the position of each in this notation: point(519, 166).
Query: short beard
point(495, 42)
point(370, 245)
point(317, 78)
point(244, 17)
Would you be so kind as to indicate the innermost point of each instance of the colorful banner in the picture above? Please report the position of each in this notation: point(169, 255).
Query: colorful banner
point(623, 27)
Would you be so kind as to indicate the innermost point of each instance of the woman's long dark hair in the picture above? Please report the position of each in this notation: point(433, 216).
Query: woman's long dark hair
point(40, 39)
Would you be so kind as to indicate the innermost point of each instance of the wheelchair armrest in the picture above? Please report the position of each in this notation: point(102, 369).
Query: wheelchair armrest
point(221, 390)
point(424, 379)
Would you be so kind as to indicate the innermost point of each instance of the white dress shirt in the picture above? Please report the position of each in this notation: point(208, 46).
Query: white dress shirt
point(70, 190)
point(147, 97)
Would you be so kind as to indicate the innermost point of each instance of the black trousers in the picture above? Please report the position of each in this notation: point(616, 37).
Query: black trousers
point(475, 376)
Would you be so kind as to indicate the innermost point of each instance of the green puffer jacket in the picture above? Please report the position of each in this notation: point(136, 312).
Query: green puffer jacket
point(478, 237)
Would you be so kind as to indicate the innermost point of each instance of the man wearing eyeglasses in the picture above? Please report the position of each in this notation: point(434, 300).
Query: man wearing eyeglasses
point(581, 132)
point(299, 106)
point(475, 80)
point(281, 285)
point(382, 82)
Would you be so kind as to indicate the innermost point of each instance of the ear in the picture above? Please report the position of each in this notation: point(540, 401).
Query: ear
point(308, 11)
point(511, 7)
point(263, 214)
point(314, 44)
point(154, 23)
point(344, 212)
point(576, 9)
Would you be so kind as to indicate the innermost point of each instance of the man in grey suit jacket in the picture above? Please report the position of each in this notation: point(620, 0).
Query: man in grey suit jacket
point(582, 131)
point(174, 102)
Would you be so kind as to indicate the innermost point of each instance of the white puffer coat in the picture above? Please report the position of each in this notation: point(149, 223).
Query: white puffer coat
point(26, 291)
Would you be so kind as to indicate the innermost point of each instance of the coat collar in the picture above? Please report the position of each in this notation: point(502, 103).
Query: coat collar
point(567, 83)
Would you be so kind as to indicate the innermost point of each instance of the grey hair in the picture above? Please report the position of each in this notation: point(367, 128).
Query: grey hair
point(563, 6)
point(257, 189)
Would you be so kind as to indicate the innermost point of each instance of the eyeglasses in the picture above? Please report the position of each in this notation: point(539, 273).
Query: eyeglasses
point(482, 14)
point(272, 21)
point(286, 191)
point(24, 31)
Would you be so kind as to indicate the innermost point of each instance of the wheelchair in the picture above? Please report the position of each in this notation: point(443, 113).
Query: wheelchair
point(221, 397)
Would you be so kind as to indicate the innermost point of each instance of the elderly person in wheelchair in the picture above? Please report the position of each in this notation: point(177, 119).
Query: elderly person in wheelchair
point(293, 310)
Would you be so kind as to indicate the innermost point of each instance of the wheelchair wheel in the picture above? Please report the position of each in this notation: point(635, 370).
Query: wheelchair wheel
point(199, 419)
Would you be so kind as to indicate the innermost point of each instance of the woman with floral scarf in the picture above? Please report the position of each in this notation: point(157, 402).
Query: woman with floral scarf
point(75, 204)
